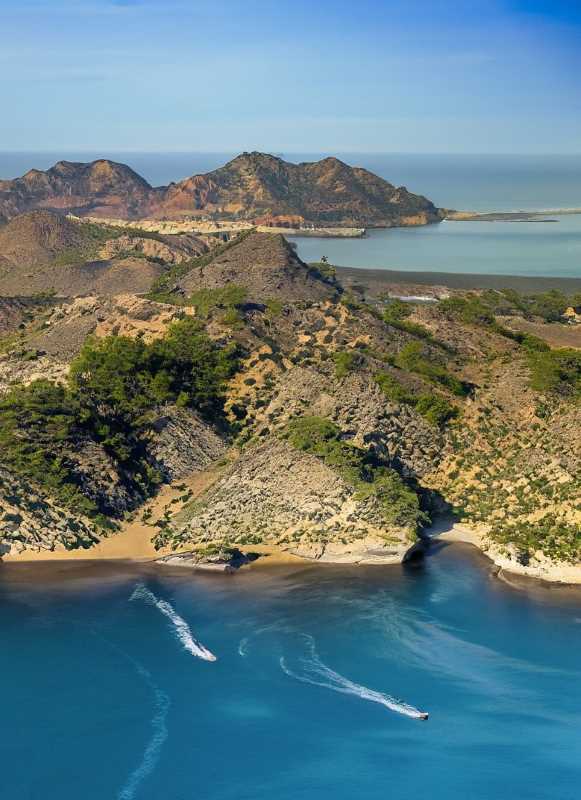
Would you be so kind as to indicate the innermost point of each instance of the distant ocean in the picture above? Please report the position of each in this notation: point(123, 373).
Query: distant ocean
point(467, 182)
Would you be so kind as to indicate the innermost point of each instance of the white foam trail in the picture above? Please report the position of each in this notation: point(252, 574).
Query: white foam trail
point(243, 647)
point(181, 627)
point(152, 751)
point(318, 674)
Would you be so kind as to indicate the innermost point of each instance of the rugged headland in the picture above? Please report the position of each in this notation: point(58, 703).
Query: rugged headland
point(195, 396)
point(253, 186)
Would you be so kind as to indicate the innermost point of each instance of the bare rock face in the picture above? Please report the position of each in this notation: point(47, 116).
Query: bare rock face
point(396, 434)
point(169, 249)
point(183, 443)
point(267, 267)
point(276, 494)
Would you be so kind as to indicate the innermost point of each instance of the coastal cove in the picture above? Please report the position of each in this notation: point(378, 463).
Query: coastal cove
point(328, 660)
point(529, 249)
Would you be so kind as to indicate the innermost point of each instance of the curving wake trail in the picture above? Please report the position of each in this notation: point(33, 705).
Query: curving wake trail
point(181, 627)
point(153, 749)
point(318, 674)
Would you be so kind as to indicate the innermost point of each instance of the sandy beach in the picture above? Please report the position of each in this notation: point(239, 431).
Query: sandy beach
point(133, 542)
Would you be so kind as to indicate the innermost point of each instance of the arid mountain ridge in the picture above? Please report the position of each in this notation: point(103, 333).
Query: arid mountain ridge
point(253, 186)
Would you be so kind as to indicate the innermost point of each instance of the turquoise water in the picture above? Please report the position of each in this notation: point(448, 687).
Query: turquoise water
point(532, 249)
point(109, 693)
point(482, 183)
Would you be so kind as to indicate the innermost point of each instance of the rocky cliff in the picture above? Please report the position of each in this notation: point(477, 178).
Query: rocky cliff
point(253, 186)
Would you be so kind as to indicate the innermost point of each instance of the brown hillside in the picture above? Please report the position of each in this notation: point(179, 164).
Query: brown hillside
point(251, 186)
point(266, 266)
point(100, 188)
point(325, 192)
point(41, 236)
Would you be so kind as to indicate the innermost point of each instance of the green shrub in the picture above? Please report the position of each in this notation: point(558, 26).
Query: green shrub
point(229, 298)
point(322, 438)
point(414, 358)
point(393, 389)
point(37, 422)
point(436, 410)
point(114, 386)
point(556, 371)
point(346, 361)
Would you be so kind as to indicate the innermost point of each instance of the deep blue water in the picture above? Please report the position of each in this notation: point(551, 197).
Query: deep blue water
point(470, 182)
point(102, 700)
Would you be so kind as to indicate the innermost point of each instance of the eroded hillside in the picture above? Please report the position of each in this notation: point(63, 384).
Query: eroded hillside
point(340, 425)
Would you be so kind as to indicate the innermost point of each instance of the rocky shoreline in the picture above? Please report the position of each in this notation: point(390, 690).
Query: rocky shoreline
point(539, 568)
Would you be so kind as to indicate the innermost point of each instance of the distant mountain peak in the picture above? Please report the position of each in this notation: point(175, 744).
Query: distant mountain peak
point(251, 186)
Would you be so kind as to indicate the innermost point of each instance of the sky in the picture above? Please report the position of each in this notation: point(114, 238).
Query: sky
point(415, 76)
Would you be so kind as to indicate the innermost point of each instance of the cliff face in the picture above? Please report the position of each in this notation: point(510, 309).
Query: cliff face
point(100, 188)
point(253, 186)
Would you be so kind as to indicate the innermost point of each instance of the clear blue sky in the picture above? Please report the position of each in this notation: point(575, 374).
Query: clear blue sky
point(498, 76)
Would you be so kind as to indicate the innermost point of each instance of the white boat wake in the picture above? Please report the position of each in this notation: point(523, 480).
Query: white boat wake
point(181, 627)
point(316, 673)
point(159, 735)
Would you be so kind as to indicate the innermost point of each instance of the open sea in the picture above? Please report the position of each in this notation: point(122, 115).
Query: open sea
point(135, 683)
point(467, 182)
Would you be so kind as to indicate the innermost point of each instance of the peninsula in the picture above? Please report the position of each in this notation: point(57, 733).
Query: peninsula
point(253, 187)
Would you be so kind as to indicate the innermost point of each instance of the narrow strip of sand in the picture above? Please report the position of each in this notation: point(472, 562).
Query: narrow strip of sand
point(133, 541)
point(541, 568)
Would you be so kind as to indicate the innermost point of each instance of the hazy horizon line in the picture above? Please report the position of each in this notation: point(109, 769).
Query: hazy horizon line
point(279, 154)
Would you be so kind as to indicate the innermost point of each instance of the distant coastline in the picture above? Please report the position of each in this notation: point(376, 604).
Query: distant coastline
point(379, 278)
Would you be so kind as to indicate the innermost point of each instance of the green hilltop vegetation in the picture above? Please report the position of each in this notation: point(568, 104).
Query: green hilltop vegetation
point(114, 387)
point(321, 438)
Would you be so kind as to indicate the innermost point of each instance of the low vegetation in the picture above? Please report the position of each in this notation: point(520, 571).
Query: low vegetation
point(115, 385)
point(162, 289)
point(413, 357)
point(434, 408)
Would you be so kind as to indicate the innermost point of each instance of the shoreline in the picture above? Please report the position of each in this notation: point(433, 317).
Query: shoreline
point(378, 277)
point(544, 571)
